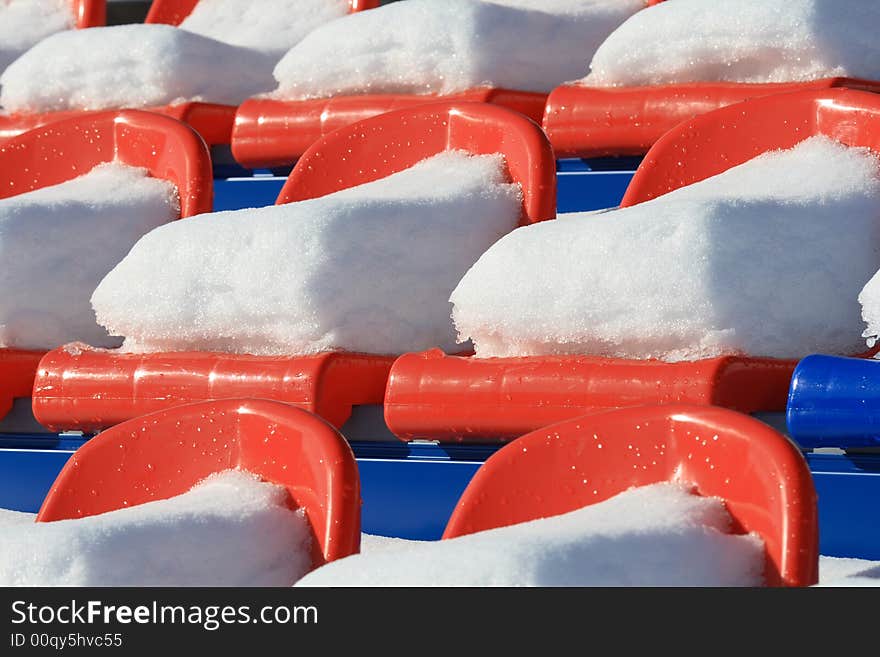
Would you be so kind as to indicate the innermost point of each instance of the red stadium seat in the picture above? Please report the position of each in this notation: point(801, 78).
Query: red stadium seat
point(587, 122)
point(432, 395)
point(761, 476)
point(61, 151)
point(212, 121)
point(90, 389)
point(165, 454)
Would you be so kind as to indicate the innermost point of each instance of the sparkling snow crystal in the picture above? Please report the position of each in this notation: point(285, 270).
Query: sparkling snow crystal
point(366, 269)
point(57, 243)
point(742, 41)
point(425, 46)
point(131, 66)
point(765, 259)
point(205, 537)
point(658, 535)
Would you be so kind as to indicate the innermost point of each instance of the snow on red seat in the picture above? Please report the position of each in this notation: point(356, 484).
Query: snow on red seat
point(91, 389)
point(588, 122)
point(65, 150)
point(213, 121)
point(164, 454)
point(627, 109)
point(397, 58)
point(761, 476)
point(436, 396)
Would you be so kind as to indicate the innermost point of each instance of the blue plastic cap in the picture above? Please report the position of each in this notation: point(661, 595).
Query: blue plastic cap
point(835, 402)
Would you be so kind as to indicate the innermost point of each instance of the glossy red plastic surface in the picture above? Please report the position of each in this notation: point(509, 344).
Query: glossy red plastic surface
point(91, 389)
point(714, 142)
point(762, 477)
point(172, 12)
point(90, 13)
point(212, 121)
point(66, 149)
point(382, 145)
point(61, 151)
point(275, 133)
point(17, 370)
point(586, 121)
point(450, 398)
point(164, 454)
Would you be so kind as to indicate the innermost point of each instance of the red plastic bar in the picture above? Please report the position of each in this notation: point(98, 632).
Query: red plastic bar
point(385, 144)
point(17, 370)
point(213, 122)
point(761, 476)
point(164, 454)
point(172, 12)
point(61, 151)
point(451, 398)
point(586, 121)
point(91, 389)
point(90, 13)
point(271, 133)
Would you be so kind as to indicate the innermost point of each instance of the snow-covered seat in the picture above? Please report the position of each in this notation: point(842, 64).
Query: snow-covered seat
point(164, 454)
point(625, 117)
point(213, 121)
point(71, 148)
point(450, 398)
point(504, 44)
point(93, 389)
point(761, 476)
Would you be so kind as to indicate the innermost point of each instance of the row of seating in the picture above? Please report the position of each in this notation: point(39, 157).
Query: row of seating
point(429, 395)
point(761, 476)
point(580, 121)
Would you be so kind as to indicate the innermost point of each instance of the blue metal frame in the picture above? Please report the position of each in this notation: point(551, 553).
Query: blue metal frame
point(581, 185)
point(410, 490)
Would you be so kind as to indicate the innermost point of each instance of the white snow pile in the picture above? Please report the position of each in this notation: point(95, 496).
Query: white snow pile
point(742, 41)
point(204, 537)
point(659, 535)
point(765, 259)
point(425, 46)
point(131, 66)
point(270, 26)
point(366, 269)
point(869, 298)
point(58, 242)
point(837, 572)
point(24, 23)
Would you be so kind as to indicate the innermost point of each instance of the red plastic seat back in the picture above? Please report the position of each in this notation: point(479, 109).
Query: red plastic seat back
point(164, 454)
point(382, 145)
point(90, 13)
point(759, 473)
point(718, 140)
point(66, 149)
point(172, 12)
